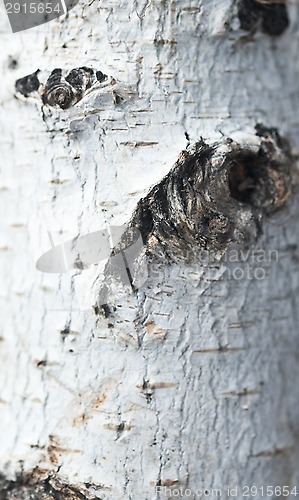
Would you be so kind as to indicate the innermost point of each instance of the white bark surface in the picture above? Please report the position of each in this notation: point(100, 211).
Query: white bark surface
point(193, 381)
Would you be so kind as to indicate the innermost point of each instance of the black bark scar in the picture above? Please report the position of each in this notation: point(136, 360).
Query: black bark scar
point(59, 90)
point(271, 18)
point(216, 195)
point(28, 84)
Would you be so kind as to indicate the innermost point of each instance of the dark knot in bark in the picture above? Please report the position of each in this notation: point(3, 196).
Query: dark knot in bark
point(65, 92)
point(28, 84)
point(57, 92)
point(61, 91)
point(271, 16)
point(217, 195)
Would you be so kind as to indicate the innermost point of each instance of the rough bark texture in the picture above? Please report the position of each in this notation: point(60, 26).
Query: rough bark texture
point(191, 379)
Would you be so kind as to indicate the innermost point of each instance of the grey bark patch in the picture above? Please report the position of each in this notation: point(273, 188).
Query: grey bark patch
point(12, 63)
point(104, 310)
point(271, 18)
point(43, 485)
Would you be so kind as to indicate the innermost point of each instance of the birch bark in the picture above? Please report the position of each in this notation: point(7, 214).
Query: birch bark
point(191, 382)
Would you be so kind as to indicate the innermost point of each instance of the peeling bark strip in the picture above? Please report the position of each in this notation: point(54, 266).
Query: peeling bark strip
point(217, 195)
point(271, 16)
point(59, 91)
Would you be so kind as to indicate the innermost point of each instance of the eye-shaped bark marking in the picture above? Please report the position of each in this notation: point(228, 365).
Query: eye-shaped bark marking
point(58, 92)
point(62, 91)
point(216, 195)
point(66, 92)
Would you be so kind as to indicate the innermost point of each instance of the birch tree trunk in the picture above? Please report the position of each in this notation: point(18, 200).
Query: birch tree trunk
point(185, 384)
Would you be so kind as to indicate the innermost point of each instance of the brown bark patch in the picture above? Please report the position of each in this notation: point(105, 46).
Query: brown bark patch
point(40, 484)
